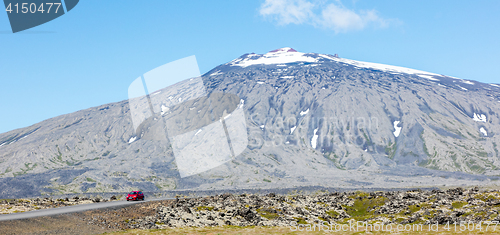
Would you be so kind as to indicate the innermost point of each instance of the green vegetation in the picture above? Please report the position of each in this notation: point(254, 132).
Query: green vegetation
point(368, 140)
point(333, 214)
point(29, 167)
point(205, 208)
point(475, 167)
point(267, 213)
point(414, 208)
point(482, 154)
point(119, 173)
point(458, 205)
point(390, 149)
point(335, 160)
point(300, 220)
point(363, 206)
point(59, 154)
point(496, 149)
point(487, 196)
point(58, 159)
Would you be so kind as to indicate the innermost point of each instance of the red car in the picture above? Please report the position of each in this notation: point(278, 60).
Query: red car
point(135, 196)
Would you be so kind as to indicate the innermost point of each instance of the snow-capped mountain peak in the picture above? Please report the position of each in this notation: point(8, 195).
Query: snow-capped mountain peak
point(284, 55)
point(283, 50)
point(288, 55)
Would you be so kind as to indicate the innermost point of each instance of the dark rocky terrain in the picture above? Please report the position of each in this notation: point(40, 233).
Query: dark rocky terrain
point(278, 211)
point(311, 120)
point(396, 207)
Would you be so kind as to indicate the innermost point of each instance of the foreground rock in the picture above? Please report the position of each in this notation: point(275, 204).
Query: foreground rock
point(423, 207)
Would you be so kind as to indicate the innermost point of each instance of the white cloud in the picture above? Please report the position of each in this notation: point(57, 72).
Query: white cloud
point(287, 11)
point(320, 14)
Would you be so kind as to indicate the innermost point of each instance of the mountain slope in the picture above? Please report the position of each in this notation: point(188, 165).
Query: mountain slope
point(312, 119)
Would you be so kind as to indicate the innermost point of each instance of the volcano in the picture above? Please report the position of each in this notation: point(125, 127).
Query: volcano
point(311, 120)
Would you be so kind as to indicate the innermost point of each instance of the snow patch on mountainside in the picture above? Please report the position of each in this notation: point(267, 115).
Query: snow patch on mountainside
point(164, 109)
point(23, 137)
point(397, 129)
point(428, 77)
point(314, 139)
point(216, 73)
point(479, 117)
point(482, 130)
point(384, 67)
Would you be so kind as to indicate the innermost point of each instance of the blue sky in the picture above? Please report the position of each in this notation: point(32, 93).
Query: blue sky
point(89, 56)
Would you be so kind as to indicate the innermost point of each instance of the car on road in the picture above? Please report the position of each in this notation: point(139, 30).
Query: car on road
point(135, 196)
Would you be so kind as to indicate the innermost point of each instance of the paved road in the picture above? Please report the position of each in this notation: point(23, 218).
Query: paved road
point(71, 209)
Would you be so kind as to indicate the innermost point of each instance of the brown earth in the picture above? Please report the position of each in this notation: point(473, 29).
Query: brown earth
point(88, 222)
point(8, 206)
